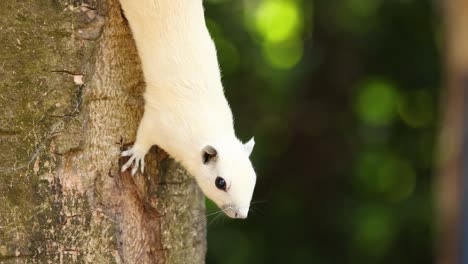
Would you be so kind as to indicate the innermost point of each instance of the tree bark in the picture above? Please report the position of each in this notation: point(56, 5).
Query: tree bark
point(454, 136)
point(71, 91)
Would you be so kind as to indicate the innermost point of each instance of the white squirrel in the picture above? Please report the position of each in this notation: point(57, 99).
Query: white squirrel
point(186, 112)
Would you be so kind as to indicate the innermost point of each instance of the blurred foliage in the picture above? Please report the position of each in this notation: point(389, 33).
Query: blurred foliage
point(341, 96)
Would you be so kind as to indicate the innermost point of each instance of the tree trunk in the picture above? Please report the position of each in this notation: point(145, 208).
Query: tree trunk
point(70, 91)
point(453, 167)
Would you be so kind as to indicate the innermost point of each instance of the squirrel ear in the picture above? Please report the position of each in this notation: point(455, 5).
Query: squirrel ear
point(209, 154)
point(248, 147)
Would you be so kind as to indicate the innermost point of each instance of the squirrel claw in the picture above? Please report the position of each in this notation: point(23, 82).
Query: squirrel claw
point(136, 159)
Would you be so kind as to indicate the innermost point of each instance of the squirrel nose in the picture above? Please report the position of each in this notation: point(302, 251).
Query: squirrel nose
point(242, 213)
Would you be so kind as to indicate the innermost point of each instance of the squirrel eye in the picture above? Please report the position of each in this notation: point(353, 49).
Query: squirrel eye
point(220, 183)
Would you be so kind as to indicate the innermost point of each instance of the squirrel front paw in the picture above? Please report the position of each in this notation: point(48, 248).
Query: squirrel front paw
point(137, 156)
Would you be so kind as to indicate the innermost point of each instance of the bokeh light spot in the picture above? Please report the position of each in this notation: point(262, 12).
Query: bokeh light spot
point(416, 109)
point(376, 103)
point(397, 179)
point(385, 175)
point(374, 230)
point(278, 20)
point(283, 55)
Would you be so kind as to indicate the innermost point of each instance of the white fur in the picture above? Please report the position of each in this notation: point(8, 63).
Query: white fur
point(185, 106)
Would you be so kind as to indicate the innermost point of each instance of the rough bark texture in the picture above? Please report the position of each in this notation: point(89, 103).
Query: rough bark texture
point(453, 133)
point(70, 91)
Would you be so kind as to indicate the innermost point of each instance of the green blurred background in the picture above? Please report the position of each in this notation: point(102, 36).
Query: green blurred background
point(342, 98)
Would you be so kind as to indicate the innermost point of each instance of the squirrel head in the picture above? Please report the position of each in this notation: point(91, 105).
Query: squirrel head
point(227, 176)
